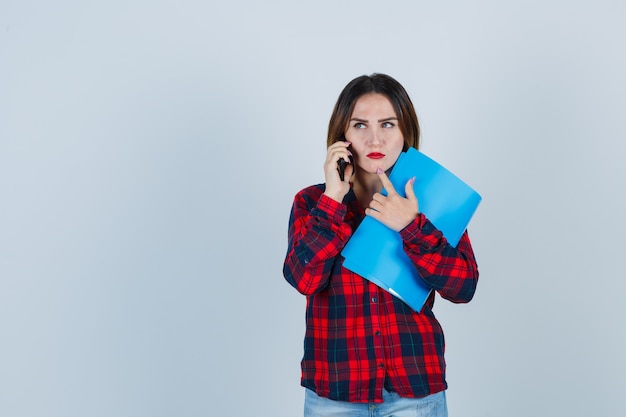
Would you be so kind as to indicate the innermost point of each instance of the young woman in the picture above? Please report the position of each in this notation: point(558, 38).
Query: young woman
point(365, 349)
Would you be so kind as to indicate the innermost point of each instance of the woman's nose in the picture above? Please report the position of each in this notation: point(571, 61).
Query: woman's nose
point(374, 138)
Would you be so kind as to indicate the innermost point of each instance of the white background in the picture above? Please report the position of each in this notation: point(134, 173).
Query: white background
point(150, 151)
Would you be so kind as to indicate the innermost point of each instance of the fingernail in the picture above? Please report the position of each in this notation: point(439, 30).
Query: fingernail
point(412, 180)
point(379, 171)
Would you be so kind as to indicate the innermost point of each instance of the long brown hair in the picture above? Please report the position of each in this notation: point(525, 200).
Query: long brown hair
point(381, 84)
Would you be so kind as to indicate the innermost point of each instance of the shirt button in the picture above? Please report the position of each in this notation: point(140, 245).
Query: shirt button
point(381, 365)
point(377, 333)
point(374, 300)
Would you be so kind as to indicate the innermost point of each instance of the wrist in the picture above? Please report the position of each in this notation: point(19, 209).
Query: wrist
point(338, 197)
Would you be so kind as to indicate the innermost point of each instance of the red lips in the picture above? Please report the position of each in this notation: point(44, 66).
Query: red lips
point(375, 155)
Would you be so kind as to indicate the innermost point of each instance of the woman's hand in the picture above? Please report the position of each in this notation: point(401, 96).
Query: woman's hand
point(393, 210)
point(335, 188)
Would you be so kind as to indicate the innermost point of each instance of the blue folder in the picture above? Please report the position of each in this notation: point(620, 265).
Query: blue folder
point(376, 252)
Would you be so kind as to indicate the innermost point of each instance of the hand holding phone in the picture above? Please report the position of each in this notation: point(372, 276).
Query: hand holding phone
point(341, 165)
point(337, 170)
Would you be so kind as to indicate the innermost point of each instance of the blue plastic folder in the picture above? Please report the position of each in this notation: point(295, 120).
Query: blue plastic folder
point(376, 252)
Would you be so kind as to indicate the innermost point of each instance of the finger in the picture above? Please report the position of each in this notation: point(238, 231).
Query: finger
point(372, 213)
point(347, 158)
point(385, 180)
point(334, 155)
point(340, 144)
point(408, 189)
point(339, 150)
point(376, 205)
point(348, 172)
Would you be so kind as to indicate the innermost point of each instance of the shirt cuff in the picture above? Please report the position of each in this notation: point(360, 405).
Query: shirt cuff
point(422, 233)
point(333, 209)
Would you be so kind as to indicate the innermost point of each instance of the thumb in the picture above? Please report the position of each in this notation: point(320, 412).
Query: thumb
point(348, 172)
point(408, 189)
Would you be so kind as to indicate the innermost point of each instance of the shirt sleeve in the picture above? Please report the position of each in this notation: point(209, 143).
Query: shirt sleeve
point(317, 233)
point(450, 271)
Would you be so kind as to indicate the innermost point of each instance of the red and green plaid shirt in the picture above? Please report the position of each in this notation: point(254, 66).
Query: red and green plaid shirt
point(359, 337)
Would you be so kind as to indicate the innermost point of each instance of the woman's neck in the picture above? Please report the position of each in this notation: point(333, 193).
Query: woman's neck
point(365, 185)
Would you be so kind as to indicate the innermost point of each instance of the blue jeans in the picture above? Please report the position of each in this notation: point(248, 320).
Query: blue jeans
point(431, 406)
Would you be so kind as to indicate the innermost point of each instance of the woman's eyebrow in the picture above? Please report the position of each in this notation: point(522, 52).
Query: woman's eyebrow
point(356, 119)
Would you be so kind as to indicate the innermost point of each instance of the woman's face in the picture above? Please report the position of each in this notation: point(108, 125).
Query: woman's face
point(374, 133)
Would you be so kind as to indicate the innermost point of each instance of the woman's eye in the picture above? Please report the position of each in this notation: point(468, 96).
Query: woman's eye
point(388, 125)
point(359, 125)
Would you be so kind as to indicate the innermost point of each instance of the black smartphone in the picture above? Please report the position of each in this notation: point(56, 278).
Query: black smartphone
point(341, 164)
